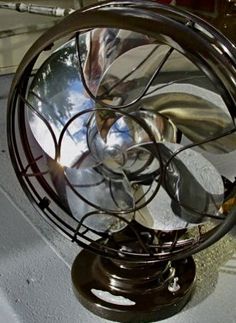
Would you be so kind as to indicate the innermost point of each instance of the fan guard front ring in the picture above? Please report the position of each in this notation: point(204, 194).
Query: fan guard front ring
point(215, 57)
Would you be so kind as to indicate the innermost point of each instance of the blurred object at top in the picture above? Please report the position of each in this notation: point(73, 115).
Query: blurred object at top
point(36, 9)
point(19, 31)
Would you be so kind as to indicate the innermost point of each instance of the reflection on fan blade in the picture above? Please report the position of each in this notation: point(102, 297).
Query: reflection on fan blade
point(85, 160)
point(42, 134)
point(196, 117)
point(96, 144)
point(98, 49)
point(58, 179)
point(122, 86)
point(192, 187)
point(130, 136)
point(158, 214)
point(127, 132)
point(124, 140)
point(57, 94)
point(113, 150)
point(194, 184)
point(100, 194)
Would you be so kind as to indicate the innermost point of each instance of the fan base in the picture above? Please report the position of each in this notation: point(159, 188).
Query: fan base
point(125, 292)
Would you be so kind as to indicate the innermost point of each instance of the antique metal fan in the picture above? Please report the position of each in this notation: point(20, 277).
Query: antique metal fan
point(114, 139)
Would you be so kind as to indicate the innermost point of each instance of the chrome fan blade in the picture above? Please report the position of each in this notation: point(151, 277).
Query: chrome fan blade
point(194, 184)
point(123, 87)
point(55, 96)
point(192, 189)
point(99, 48)
point(197, 117)
point(88, 190)
point(158, 214)
point(123, 139)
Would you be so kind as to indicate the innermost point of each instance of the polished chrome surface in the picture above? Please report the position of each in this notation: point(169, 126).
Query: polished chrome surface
point(57, 93)
point(44, 173)
point(192, 189)
point(100, 53)
point(97, 193)
point(105, 108)
point(199, 117)
point(215, 280)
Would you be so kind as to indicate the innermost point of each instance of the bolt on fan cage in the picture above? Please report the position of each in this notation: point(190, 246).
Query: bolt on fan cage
point(180, 32)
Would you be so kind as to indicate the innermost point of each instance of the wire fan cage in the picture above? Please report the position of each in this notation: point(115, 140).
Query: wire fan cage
point(114, 137)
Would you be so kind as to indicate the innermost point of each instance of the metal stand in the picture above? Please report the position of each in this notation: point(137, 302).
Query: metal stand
point(127, 292)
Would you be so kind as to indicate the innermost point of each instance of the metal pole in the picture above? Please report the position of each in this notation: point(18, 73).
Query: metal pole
point(36, 9)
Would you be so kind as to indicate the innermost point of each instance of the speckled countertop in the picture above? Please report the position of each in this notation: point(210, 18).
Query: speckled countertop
point(35, 262)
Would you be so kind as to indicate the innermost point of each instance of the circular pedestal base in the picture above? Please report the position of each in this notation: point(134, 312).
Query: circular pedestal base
point(118, 293)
